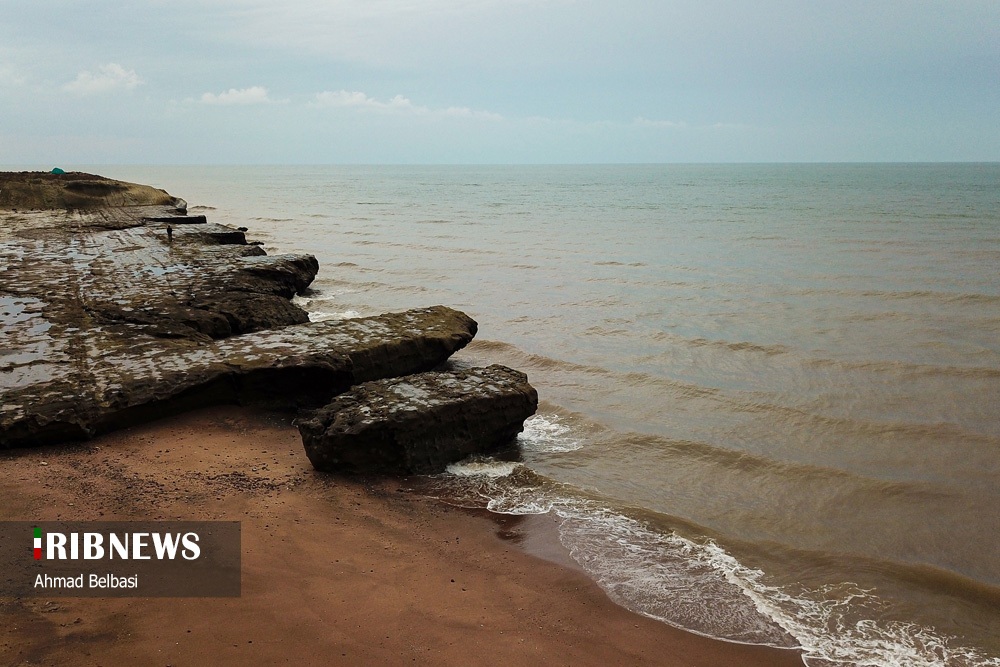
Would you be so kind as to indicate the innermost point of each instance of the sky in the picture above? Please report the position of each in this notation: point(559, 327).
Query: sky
point(498, 81)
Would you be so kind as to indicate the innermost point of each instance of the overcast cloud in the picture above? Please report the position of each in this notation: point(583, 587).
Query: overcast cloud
point(483, 81)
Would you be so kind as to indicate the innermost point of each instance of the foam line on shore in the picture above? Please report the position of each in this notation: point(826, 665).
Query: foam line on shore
point(699, 587)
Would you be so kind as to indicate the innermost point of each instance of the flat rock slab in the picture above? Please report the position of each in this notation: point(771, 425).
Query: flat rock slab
point(122, 377)
point(421, 423)
point(62, 272)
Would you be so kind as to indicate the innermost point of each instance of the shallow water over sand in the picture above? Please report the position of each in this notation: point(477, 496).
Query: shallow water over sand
point(769, 393)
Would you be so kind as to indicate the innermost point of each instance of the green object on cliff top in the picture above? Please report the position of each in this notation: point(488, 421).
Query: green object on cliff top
point(57, 170)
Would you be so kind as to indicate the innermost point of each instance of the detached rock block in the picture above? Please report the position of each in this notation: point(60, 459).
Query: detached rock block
point(420, 423)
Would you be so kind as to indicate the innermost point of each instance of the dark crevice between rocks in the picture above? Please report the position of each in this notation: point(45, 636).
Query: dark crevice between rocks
point(38, 432)
point(180, 219)
point(214, 317)
point(289, 388)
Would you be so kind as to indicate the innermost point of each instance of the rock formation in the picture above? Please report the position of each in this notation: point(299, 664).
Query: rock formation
point(106, 321)
point(419, 424)
point(73, 190)
point(117, 307)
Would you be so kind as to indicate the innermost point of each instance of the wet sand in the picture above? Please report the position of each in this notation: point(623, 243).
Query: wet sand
point(335, 571)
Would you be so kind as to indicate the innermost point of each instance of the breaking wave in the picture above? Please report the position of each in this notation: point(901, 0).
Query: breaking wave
point(547, 433)
point(698, 586)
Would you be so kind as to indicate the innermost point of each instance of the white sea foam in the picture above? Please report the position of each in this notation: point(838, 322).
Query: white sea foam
point(321, 316)
point(482, 468)
point(547, 433)
point(318, 309)
point(826, 624)
point(700, 587)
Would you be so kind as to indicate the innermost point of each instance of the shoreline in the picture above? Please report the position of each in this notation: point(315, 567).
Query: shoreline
point(334, 569)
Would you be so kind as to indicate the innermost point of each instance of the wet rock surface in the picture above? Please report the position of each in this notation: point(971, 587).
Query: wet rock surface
point(107, 321)
point(62, 272)
point(135, 378)
point(419, 424)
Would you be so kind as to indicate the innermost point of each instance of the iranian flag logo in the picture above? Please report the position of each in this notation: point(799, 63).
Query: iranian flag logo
point(38, 544)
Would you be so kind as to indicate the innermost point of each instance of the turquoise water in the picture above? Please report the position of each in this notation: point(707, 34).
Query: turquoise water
point(769, 392)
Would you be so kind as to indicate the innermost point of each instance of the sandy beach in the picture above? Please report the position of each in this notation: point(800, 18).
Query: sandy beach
point(335, 570)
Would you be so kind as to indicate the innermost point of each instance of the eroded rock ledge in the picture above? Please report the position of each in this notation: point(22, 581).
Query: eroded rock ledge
point(106, 321)
point(136, 378)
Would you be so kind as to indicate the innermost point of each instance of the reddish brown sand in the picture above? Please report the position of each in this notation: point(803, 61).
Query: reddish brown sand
point(335, 571)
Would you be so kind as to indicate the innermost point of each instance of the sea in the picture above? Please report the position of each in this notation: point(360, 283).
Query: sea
point(769, 393)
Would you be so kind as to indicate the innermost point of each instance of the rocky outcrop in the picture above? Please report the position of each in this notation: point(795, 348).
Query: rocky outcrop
point(419, 424)
point(31, 190)
point(117, 307)
point(112, 267)
point(106, 320)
